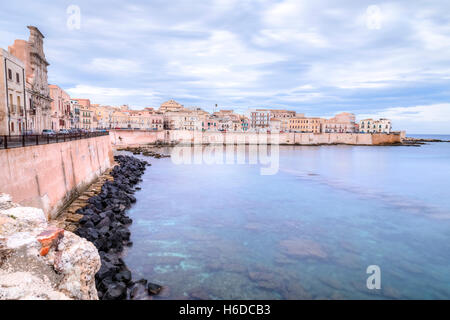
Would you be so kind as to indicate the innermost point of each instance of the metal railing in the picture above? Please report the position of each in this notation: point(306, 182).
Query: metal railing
point(8, 142)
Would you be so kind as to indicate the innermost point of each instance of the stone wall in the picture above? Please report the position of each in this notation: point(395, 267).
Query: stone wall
point(380, 138)
point(129, 137)
point(48, 176)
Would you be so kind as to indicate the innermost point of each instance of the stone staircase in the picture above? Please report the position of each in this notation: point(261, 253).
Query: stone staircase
point(68, 219)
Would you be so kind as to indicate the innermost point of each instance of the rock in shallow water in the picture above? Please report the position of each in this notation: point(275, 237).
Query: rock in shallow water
point(116, 291)
point(299, 247)
point(153, 288)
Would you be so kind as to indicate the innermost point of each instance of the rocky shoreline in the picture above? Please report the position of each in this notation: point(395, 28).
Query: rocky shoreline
point(105, 224)
point(418, 141)
point(145, 151)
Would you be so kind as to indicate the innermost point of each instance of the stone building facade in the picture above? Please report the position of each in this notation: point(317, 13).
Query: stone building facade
point(259, 119)
point(61, 108)
point(13, 116)
point(281, 119)
point(375, 126)
point(306, 124)
point(343, 122)
point(38, 100)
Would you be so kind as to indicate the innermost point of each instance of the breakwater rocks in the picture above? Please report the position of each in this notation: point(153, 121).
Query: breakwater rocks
point(145, 151)
point(418, 141)
point(105, 222)
point(39, 261)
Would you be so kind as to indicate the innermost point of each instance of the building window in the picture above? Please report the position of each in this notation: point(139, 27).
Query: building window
point(11, 103)
point(9, 74)
point(17, 78)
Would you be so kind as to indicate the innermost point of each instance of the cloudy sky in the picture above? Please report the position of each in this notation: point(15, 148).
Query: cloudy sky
point(373, 58)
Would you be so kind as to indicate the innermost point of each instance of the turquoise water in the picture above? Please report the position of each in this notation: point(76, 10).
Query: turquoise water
point(224, 231)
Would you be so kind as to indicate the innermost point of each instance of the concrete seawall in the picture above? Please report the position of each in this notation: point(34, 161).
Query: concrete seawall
point(48, 176)
point(130, 137)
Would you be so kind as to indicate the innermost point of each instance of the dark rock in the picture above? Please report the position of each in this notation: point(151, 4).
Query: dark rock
point(89, 224)
point(84, 219)
point(106, 270)
point(116, 291)
point(153, 288)
point(95, 218)
point(138, 290)
point(104, 230)
point(123, 276)
point(105, 222)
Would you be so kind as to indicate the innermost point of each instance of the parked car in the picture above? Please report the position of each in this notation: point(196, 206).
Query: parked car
point(64, 131)
point(48, 132)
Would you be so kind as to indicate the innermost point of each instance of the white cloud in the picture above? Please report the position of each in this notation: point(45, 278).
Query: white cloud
point(113, 96)
point(221, 60)
point(432, 36)
point(114, 66)
point(271, 37)
point(284, 14)
point(286, 22)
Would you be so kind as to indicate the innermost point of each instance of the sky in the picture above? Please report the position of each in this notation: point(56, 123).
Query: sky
point(373, 58)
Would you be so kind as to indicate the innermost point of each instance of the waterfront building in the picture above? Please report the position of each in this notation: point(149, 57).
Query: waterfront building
point(210, 123)
point(86, 117)
point(174, 120)
point(101, 115)
point(227, 120)
point(244, 122)
point(306, 124)
point(283, 116)
point(259, 119)
point(275, 125)
point(119, 120)
point(38, 100)
point(144, 120)
point(341, 123)
point(75, 114)
point(375, 126)
point(83, 102)
point(13, 115)
point(60, 108)
point(156, 122)
point(86, 113)
point(171, 105)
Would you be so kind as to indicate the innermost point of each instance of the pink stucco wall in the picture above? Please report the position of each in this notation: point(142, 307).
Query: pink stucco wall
point(130, 137)
point(46, 176)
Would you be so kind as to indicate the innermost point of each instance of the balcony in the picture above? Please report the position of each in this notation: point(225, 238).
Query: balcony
point(12, 108)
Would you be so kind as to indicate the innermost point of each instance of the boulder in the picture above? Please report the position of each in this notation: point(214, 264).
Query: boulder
point(116, 291)
point(41, 261)
point(153, 288)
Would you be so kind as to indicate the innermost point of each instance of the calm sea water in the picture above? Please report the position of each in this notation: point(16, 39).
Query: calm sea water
point(218, 231)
